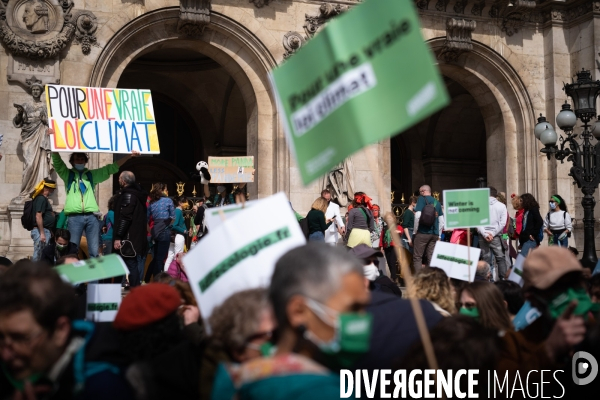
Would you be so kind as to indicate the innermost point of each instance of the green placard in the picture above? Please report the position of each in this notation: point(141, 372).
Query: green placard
point(367, 76)
point(93, 269)
point(467, 208)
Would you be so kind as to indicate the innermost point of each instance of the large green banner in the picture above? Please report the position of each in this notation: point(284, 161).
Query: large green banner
point(367, 76)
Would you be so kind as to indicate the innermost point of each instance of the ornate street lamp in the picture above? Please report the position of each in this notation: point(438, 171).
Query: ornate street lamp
point(578, 149)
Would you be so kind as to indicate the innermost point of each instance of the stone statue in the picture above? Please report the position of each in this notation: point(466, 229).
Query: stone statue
point(35, 143)
point(35, 16)
point(340, 182)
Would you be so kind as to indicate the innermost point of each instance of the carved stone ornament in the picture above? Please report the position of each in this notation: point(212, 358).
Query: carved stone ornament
point(292, 40)
point(441, 5)
point(260, 3)
point(21, 69)
point(459, 6)
point(422, 4)
point(86, 31)
point(458, 38)
point(194, 16)
point(326, 12)
point(512, 18)
point(477, 8)
point(41, 29)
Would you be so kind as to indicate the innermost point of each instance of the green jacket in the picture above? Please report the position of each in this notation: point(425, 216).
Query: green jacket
point(77, 203)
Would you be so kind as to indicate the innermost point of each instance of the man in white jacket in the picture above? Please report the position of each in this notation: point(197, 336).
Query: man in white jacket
point(337, 228)
point(490, 237)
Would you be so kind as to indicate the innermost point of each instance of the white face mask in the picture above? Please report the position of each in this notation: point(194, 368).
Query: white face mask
point(371, 271)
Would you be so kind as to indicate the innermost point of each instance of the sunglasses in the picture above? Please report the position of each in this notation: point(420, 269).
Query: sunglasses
point(468, 305)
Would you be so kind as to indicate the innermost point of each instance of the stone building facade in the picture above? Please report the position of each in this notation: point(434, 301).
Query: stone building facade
point(206, 62)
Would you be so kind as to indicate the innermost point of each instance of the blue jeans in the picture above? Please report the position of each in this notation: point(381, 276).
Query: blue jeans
point(108, 247)
point(161, 249)
point(38, 245)
point(133, 265)
point(527, 246)
point(77, 224)
point(316, 237)
point(561, 243)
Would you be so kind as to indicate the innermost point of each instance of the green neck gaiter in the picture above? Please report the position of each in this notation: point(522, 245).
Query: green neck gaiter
point(470, 312)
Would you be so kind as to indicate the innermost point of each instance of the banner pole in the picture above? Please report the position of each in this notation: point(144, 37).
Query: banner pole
point(469, 251)
point(408, 279)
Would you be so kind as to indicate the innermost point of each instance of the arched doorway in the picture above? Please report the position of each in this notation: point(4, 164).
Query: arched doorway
point(446, 151)
point(199, 110)
point(240, 53)
point(492, 112)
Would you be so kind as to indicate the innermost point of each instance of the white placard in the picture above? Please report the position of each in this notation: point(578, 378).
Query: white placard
point(213, 218)
point(103, 301)
point(516, 272)
point(241, 252)
point(453, 259)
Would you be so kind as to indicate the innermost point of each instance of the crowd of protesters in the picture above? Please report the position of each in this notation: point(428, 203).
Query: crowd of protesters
point(330, 305)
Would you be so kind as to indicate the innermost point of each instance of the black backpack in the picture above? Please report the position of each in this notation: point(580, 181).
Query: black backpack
point(428, 214)
point(304, 226)
point(27, 217)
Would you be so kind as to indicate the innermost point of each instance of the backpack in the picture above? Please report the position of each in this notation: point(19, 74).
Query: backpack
point(428, 214)
point(72, 179)
point(564, 217)
point(304, 226)
point(27, 219)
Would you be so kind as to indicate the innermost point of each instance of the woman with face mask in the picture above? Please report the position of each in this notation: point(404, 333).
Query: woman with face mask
point(60, 248)
point(557, 224)
point(319, 298)
point(484, 302)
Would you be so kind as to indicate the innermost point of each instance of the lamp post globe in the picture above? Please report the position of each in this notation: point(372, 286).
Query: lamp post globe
point(566, 119)
point(541, 126)
point(549, 137)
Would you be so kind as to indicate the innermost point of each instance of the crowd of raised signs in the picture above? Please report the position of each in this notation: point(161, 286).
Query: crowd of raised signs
point(326, 308)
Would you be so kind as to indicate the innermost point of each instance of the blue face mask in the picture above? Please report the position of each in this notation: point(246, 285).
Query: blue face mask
point(552, 206)
point(79, 167)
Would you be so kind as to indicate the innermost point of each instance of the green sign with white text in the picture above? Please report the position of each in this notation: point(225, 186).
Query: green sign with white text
point(467, 208)
point(367, 76)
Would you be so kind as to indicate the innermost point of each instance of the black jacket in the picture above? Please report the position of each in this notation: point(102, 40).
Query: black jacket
point(130, 218)
point(533, 225)
point(50, 255)
point(394, 329)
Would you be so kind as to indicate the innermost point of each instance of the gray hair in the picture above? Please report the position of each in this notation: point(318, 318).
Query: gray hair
point(128, 177)
point(314, 271)
point(238, 318)
point(483, 269)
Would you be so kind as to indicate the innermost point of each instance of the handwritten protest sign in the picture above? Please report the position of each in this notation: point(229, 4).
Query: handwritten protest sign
point(212, 216)
point(231, 169)
point(241, 253)
point(516, 272)
point(366, 76)
point(467, 208)
point(93, 269)
point(103, 301)
point(101, 120)
point(454, 260)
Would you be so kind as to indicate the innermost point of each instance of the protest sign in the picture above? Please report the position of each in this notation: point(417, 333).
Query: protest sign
point(526, 315)
point(454, 260)
point(516, 272)
point(212, 216)
point(241, 252)
point(93, 269)
point(101, 120)
point(231, 169)
point(467, 208)
point(103, 301)
point(366, 76)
